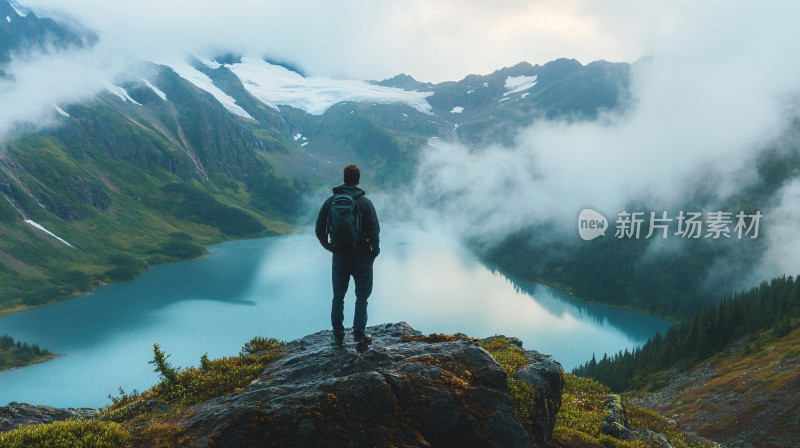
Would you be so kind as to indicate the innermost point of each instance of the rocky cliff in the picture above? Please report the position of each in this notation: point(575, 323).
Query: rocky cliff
point(407, 390)
point(15, 415)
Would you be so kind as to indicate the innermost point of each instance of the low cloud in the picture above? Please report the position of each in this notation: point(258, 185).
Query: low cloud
point(433, 40)
point(38, 82)
point(705, 105)
point(783, 237)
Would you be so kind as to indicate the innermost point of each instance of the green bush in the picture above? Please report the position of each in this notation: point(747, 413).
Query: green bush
point(68, 434)
point(125, 268)
point(185, 387)
point(260, 344)
point(163, 367)
point(182, 249)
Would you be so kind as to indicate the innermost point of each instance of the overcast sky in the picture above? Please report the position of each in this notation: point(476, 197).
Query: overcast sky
point(432, 40)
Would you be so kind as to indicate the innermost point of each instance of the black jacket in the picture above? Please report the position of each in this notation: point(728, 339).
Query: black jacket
point(370, 228)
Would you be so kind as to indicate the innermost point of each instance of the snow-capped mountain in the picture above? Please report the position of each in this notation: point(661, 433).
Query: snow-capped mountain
point(496, 104)
point(219, 147)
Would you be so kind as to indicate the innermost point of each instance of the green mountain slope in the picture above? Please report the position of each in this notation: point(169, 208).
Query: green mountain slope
point(747, 394)
point(128, 185)
point(731, 372)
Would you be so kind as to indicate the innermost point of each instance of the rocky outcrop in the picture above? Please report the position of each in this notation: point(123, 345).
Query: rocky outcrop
point(616, 424)
point(20, 414)
point(615, 421)
point(547, 378)
point(407, 390)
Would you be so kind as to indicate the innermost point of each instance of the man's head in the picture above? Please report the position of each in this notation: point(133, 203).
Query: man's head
point(352, 175)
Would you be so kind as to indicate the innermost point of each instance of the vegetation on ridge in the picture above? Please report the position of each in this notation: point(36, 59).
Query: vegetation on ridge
point(580, 418)
point(151, 418)
point(772, 305)
point(18, 354)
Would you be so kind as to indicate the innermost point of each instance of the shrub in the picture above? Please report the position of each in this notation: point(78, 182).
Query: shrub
point(260, 344)
point(162, 366)
point(70, 433)
point(185, 387)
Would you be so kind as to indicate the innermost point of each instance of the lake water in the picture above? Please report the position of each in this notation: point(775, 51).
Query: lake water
point(280, 287)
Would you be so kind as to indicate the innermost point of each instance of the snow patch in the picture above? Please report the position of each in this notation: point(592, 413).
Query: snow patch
point(121, 93)
point(516, 84)
point(211, 64)
point(275, 85)
point(40, 227)
point(298, 136)
point(61, 111)
point(405, 115)
point(19, 9)
point(155, 89)
point(8, 19)
point(504, 99)
point(203, 82)
point(304, 144)
point(470, 91)
point(457, 110)
point(524, 95)
point(486, 84)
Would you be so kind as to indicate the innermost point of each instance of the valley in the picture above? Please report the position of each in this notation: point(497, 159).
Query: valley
point(146, 174)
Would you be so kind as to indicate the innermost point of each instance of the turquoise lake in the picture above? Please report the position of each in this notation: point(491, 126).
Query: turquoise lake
point(280, 287)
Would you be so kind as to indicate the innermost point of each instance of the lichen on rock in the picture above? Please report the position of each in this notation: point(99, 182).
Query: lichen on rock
point(407, 390)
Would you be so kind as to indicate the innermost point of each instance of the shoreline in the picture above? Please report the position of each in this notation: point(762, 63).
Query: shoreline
point(42, 361)
point(23, 308)
point(564, 290)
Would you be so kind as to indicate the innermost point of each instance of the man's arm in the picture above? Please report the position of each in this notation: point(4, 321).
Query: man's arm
point(373, 229)
point(322, 225)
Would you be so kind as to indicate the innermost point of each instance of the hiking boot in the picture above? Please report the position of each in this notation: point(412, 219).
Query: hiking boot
point(363, 338)
point(337, 339)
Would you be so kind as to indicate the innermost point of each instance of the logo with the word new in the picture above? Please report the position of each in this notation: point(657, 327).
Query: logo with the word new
point(591, 224)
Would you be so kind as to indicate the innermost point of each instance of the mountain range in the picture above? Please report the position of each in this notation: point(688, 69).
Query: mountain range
point(172, 157)
point(168, 158)
point(156, 165)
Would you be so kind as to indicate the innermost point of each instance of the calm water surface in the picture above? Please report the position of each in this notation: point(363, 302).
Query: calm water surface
point(280, 287)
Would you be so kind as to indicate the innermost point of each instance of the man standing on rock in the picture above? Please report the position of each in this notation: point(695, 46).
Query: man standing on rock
point(347, 225)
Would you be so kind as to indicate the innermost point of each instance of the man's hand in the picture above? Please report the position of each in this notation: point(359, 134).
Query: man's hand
point(326, 245)
point(375, 252)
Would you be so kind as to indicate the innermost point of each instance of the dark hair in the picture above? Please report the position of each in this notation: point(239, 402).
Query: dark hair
point(352, 175)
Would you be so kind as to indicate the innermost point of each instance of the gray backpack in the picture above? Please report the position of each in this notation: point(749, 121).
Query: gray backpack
point(344, 221)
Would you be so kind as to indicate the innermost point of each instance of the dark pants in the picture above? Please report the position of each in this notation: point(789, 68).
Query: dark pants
point(358, 265)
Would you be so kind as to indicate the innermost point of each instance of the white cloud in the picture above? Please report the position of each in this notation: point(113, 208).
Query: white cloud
point(782, 236)
point(36, 82)
point(433, 40)
point(705, 104)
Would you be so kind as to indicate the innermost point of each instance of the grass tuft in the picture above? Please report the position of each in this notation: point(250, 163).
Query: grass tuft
point(70, 433)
